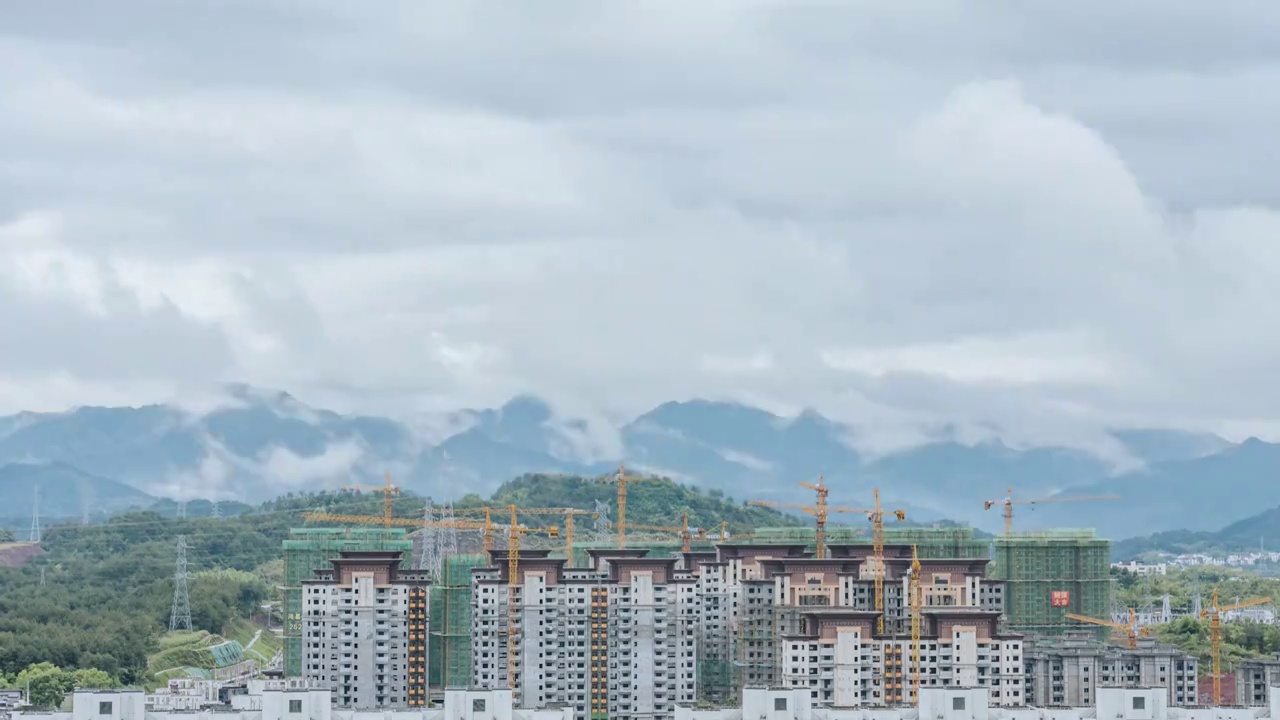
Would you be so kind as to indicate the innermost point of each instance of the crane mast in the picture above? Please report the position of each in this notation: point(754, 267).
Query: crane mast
point(514, 533)
point(1214, 615)
point(622, 479)
point(388, 491)
point(916, 606)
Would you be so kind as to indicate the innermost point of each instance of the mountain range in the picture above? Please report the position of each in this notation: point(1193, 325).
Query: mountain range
point(261, 444)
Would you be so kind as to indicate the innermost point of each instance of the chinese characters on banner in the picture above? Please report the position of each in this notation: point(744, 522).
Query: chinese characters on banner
point(1060, 598)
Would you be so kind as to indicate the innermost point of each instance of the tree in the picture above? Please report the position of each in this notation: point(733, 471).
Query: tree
point(46, 684)
point(92, 678)
point(6, 535)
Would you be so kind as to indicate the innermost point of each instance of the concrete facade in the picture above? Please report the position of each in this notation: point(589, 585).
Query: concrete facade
point(777, 616)
point(1070, 670)
point(365, 631)
point(276, 702)
point(291, 700)
point(970, 703)
point(1254, 681)
point(613, 640)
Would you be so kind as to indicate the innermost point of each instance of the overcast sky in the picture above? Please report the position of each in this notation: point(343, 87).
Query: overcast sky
point(902, 213)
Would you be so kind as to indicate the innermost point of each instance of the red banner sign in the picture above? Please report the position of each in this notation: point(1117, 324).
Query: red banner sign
point(1060, 598)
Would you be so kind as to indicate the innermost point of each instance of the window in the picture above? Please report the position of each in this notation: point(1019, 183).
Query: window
point(1139, 703)
point(477, 705)
point(104, 708)
point(780, 703)
point(295, 706)
point(957, 703)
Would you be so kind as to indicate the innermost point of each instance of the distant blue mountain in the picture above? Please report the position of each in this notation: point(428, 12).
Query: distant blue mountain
point(65, 492)
point(264, 443)
point(1200, 493)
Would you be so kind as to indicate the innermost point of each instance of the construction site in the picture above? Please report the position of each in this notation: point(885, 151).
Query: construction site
point(907, 586)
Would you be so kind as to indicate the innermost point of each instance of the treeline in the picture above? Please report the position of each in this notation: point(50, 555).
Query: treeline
point(658, 501)
point(47, 683)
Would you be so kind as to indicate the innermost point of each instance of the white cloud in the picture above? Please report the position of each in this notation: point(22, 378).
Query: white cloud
point(1045, 222)
point(332, 468)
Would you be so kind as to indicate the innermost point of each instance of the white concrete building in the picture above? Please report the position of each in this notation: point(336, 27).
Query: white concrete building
point(292, 700)
point(365, 630)
point(1071, 669)
point(971, 703)
point(1137, 568)
point(771, 615)
point(615, 640)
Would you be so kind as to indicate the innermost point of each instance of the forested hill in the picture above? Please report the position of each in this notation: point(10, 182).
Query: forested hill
point(108, 588)
point(651, 501)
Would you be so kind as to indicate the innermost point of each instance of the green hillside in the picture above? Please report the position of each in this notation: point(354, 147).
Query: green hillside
point(179, 653)
point(650, 501)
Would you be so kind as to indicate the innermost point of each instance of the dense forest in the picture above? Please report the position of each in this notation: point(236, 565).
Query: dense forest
point(100, 598)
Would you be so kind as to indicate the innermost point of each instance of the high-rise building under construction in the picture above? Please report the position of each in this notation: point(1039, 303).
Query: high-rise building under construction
point(1049, 574)
point(310, 549)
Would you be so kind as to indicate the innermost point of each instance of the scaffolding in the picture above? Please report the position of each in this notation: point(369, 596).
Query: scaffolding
point(1050, 574)
point(310, 549)
point(451, 660)
point(932, 542)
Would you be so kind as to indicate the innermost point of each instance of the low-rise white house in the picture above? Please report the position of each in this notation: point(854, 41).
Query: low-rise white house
point(292, 701)
point(972, 703)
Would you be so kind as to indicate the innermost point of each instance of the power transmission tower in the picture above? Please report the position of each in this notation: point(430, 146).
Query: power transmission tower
point(603, 525)
point(180, 615)
point(216, 513)
point(427, 555)
point(35, 515)
point(86, 501)
point(447, 538)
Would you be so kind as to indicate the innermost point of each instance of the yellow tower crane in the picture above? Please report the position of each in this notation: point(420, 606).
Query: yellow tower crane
point(724, 533)
point(1007, 502)
point(1214, 615)
point(1131, 628)
point(622, 479)
point(568, 513)
point(686, 535)
point(388, 491)
point(819, 510)
point(876, 515)
point(916, 606)
point(485, 526)
point(514, 532)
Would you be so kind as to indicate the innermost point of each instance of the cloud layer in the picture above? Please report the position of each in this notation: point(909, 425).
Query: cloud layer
point(1044, 220)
